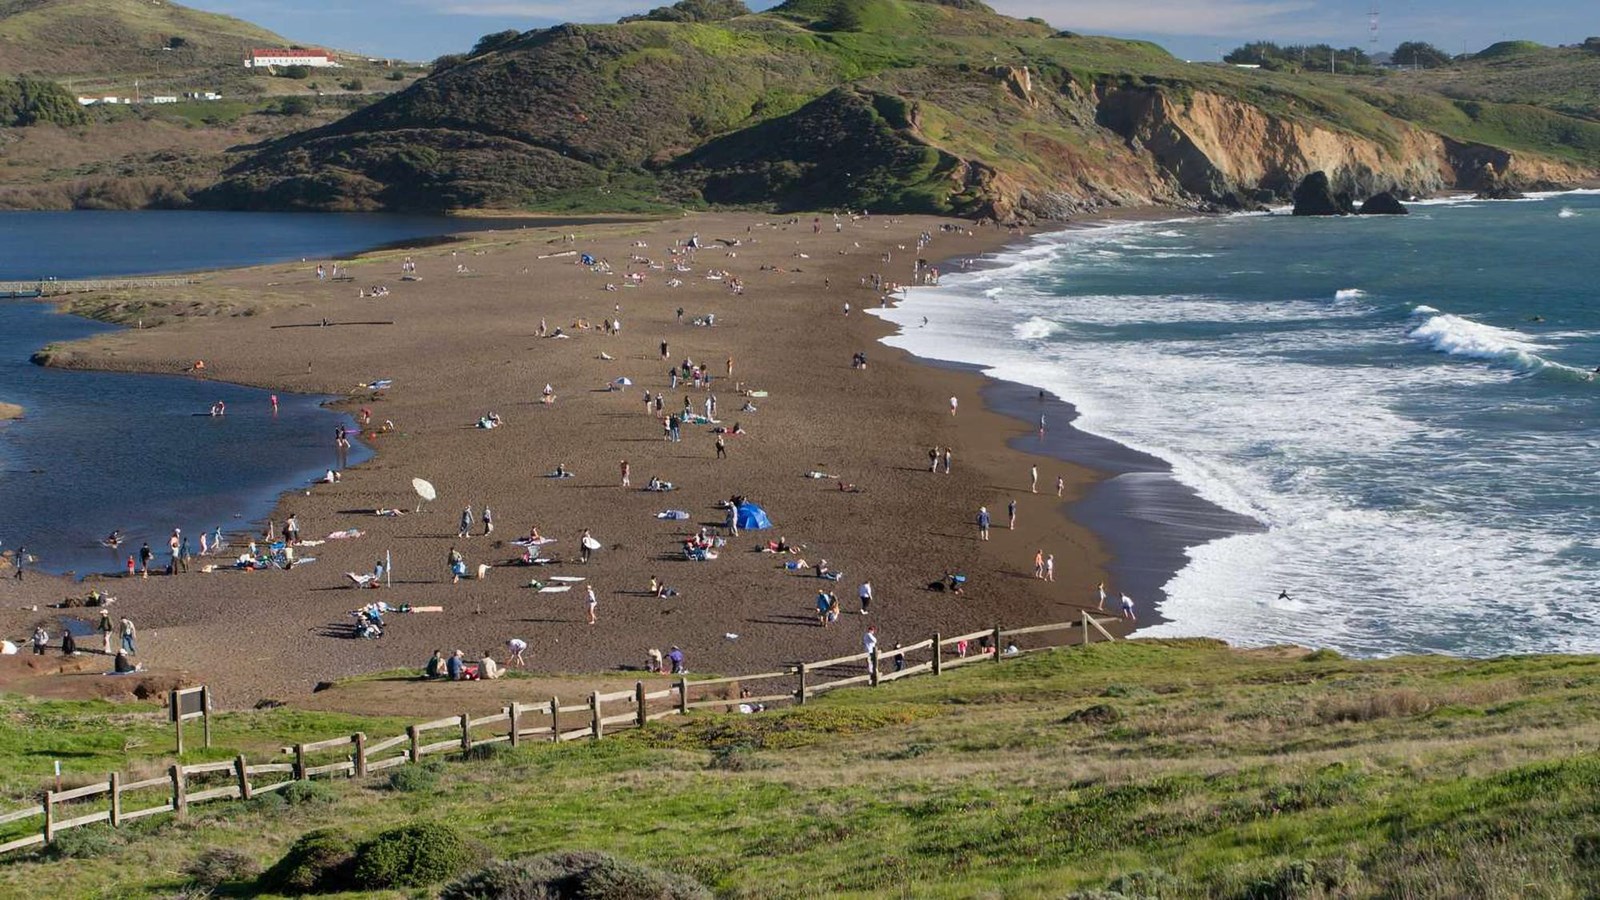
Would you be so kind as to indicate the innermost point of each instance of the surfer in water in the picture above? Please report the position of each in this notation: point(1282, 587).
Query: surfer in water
point(924, 321)
point(114, 539)
point(1284, 595)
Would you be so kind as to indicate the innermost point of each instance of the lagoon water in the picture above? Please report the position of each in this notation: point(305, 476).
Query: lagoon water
point(1403, 403)
point(102, 451)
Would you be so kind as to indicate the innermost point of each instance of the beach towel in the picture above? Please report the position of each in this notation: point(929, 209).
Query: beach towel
point(570, 579)
point(756, 394)
point(672, 514)
point(424, 609)
point(556, 589)
point(341, 535)
point(526, 542)
point(360, 581)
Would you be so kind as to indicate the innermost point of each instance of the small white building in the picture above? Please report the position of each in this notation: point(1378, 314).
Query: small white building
point(266, 59)
point(164, 98)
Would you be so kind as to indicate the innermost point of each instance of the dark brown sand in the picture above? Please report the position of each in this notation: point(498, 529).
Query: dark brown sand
point(464, 343)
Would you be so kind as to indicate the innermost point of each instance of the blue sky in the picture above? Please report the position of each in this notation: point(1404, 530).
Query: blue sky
point(1193, 29)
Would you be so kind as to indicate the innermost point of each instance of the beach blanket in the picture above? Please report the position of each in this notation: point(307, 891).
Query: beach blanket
point(312, 543)
point(556, 589)
point(362, 581)
point(560, 475)
point(756, 394)
point(347, 533)
point(672, 514)
point(527, 542)
point(570, 579)
point(424, 609)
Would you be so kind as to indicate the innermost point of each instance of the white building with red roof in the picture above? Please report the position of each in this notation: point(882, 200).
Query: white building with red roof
point(315, 59)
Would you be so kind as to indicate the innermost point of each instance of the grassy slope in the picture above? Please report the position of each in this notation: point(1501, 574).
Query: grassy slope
point(96, 37)
point(1184, 765)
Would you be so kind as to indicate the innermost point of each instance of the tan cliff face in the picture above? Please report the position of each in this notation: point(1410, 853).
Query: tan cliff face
point(1150, 147)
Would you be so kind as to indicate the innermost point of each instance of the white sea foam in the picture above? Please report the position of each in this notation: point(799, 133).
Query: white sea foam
point(1568, 212)
point(1358, 495)
point(1349, 294)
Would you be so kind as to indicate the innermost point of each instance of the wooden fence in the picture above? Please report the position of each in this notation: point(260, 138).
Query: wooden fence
point(589, 719)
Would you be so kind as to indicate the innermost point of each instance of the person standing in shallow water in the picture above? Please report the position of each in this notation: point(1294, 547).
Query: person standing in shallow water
point(145, 555)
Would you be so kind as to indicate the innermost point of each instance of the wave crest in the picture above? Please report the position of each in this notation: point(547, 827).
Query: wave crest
point(1036, 328)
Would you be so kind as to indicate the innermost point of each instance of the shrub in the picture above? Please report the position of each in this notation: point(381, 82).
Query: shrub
point(270, 802)
point(82, 843)
point(574, 875)
point(412, 856)
point(1323, 655)
point(318, 861)
point(1151, 884)
point(414, 779)
point(306, 793)
point(219, 865)
point(1098, 714)
point(732, 758)
point(486, 752)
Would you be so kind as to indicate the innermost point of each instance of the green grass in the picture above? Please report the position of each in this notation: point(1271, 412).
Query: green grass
point(1181, 767)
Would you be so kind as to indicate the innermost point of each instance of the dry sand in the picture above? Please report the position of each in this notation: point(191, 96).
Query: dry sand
point(464, 344)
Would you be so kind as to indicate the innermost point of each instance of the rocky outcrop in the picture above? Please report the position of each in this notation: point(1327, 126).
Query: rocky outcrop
point(1384, 204)
point(1315, 197)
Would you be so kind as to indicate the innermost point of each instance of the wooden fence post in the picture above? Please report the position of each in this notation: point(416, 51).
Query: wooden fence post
point(802, 694)
point(360, 740)
point(180, 792)
point(683, 695)
point(555, 720)
point(938, 660)
point(242, 769)
point(466, 732)
point(995, 648)
point(872, 667)
point(49, 816)
point(638, 697)
point(415, 750)
point(300, 762)
point(1086, 629)
point(594, 709)
point(116, 800)
point(516, 725)
point(205, 718)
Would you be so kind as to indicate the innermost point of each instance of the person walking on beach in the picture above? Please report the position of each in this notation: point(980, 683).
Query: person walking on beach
point(626, 471)
point(1033, 474)
point(19, 561)
point(1127, 608)
point(1061, 484)
point(933, 459)
point(664, 353)
point(824, 603)
point(41, 640)
point(1101, 590)
point(584, 548)
point(948, 454)
point(465, 530)
point(1050, 567)
point(590, 601)
point(106, 630)
point(128, 634)
point(1038, 564)
point(869, 643)
point(457, 564)
point(954, 402)
point(291, 530)
point(172, 552)
point(183, 551)
point(864, 593)
point(145, 555)
point(488, 521)
point(983, 523)
point(1011, 512)
point(722, 448)
point(673, 425)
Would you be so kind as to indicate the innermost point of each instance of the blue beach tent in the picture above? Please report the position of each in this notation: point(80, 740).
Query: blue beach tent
point(752, 517)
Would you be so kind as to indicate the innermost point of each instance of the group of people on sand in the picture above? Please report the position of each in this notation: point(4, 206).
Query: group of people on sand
point(123, 633)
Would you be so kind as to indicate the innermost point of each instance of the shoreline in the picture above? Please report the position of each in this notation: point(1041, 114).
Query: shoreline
point(171, 615)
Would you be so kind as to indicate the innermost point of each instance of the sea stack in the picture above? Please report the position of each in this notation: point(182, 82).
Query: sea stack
point(1384, 204)
point(1315, 197)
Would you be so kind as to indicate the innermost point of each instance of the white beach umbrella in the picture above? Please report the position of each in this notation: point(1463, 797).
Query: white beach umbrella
point(623, 380)
point(424, 490)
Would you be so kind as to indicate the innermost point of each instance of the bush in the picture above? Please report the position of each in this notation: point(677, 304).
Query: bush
point(412, 856)
point(308, 793)
point(219, 865)
point(576, 875)
point(82, 843)
point(1098, 714)
point(298, 73)
point(318, 861)
point(731, 758)
point(414, 779)
point(270, 802)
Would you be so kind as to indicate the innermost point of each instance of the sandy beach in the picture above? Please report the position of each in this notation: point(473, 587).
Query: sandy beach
point(464, 342)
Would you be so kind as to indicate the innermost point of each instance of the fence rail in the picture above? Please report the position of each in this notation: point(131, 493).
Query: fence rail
point(355, 757)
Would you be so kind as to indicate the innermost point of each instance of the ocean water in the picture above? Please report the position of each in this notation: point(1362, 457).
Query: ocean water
point(1403, 403)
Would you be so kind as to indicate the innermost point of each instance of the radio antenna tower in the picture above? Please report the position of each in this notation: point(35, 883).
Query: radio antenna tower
point(1372, 28)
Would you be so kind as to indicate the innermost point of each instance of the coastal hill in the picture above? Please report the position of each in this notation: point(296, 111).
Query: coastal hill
point(915, 105)
point(94, 38)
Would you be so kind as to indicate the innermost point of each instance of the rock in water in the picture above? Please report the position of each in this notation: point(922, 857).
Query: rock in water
point(1498, 192)
point(1384, 204)
point(1315, 197)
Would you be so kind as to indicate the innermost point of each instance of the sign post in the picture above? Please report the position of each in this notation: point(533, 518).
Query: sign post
point(190, 703)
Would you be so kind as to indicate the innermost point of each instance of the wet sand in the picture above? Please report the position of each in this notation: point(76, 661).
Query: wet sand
point(464, 343)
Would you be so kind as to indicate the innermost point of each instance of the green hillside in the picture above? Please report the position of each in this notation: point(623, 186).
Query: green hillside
point(1143, 769)
point(1563, 80)
point(97, 38)
point(914, 105)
